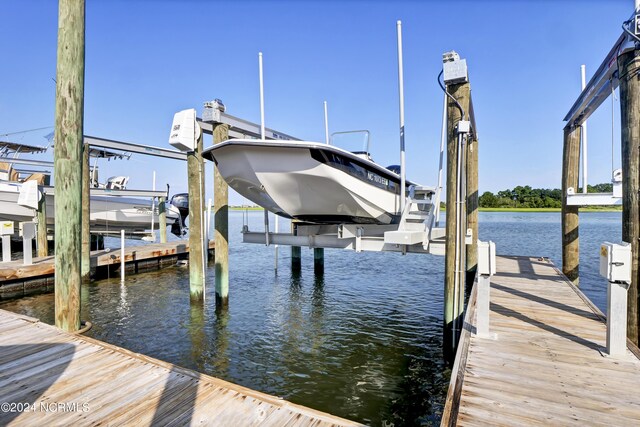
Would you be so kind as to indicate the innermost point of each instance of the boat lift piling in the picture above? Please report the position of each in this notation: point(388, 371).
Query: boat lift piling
point(296, 251)
point(458, 91)
point(318, 261)
point(162, 217)
point(621, 67)
point(86, 209)
point(221, 224)
point(67, 162)
point(570, 219)
point(42, 242)
point(628, 69)
point(196, 256)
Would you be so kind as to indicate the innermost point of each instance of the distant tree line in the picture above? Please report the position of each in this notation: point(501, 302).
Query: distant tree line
point(527, 197)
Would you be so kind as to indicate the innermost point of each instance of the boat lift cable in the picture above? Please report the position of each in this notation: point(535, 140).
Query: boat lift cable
point(26, 131)
point(444, 89)
point(625, 28)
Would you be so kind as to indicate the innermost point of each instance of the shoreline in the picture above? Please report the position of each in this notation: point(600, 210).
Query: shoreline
point(584, 209)
point(535, 210)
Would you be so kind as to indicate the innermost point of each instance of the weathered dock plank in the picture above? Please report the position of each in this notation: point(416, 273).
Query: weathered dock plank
point(68, 379)
point(16, 277)
point(546, 364)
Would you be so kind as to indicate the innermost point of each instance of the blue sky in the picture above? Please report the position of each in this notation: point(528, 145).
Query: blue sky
point(145, 60)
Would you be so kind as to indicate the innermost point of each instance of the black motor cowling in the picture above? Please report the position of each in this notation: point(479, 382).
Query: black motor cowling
point(181, 201)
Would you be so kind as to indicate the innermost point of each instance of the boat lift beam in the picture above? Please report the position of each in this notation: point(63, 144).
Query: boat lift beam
point(604, 80)
point(49, 190)
point(135, 148)
point(214, 113)
point(356, 237)
point(29, 162)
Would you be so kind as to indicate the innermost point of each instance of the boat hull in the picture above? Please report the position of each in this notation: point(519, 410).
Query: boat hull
point(310, 182)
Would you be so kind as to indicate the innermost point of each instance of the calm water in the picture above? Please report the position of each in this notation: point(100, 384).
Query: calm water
point(362, 342)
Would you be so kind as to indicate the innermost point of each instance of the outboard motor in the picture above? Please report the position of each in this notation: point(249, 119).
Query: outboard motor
point(181, 201)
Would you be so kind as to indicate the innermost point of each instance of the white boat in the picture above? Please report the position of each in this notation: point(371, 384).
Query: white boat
point(108, 214)
point(310, 181)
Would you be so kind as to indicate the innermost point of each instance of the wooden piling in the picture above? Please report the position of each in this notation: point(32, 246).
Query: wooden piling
point(628, 68)
point(196, 259)
point(86, 196)
point(472, 208)
point(221, 224)
point(570, 219)
point(68, 162)
point(162, 215)
point(452, 312)
point(296, 251)
point(318, 260)
point(43, 243)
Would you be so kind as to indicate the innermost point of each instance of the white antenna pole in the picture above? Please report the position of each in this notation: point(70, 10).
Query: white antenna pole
point(326, 123)
point(401, 88)
point(584, 136)
point(122, 257)
point(443, 138)
point(153, 208)
point(262, 133)
point(264, 136)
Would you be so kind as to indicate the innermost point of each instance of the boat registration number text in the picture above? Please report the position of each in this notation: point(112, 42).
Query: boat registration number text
point(377, 179)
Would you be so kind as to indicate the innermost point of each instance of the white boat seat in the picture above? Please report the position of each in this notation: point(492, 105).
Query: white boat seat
point(117, 182)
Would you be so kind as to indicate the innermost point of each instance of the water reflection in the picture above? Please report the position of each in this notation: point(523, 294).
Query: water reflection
point(123, 304)
point(197, 334)
point(222, 342)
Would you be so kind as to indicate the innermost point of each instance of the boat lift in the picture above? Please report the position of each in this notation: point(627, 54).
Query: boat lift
point(602, 85)
point(416, 231)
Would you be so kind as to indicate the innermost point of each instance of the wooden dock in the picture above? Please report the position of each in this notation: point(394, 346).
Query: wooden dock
point(49, 377)
point(546, 364)
point(16, 278)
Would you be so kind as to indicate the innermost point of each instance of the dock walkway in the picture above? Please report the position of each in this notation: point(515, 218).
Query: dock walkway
point(546, 364)
point(17, 279)
point(49, 377)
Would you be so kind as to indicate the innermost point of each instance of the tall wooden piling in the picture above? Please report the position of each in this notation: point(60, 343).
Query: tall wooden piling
point(162, 215)
point(472, 208)
point(570, 219)
point(196, 259)
point(68, 162)
point(43, 243)
point(452, 312)
point(628, 69)
point(221, 224)
point(86, 196)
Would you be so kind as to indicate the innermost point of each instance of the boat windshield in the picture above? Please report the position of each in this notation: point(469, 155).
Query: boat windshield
point(356, 141)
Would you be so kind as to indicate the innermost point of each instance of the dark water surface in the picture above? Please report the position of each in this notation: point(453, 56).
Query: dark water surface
point(363, 341)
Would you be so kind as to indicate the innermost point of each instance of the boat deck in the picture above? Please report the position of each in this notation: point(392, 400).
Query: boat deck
point(49, 377)
point(546, 364)
point(16, 278)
